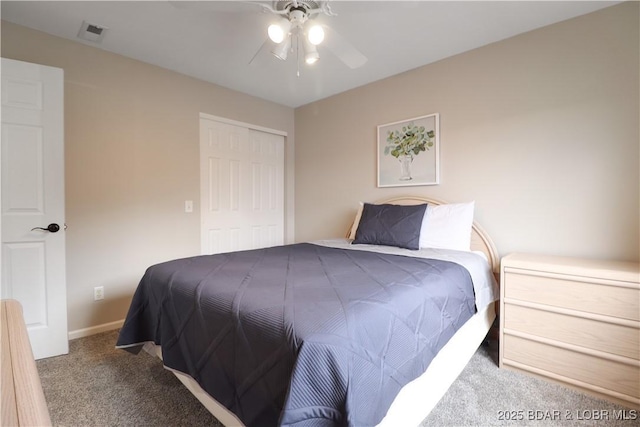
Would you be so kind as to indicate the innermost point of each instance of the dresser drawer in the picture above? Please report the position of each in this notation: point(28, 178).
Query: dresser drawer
point(616, 301)
point(608, 374)
point(594, 334)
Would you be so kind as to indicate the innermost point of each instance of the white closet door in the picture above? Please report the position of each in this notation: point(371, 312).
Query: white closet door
point(242, 187)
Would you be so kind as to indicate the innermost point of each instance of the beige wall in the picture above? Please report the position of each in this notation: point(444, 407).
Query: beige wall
point(541, 130)
point(132, 148)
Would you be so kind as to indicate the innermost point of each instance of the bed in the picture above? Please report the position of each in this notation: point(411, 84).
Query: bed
point(334, 332)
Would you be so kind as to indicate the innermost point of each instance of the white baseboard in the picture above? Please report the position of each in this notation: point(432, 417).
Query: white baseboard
point(105, 327)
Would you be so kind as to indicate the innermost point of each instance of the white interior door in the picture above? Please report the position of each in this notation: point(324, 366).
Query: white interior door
point(242, 187)
point(33, 260)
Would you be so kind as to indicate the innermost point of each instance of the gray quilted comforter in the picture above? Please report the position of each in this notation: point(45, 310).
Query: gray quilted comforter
point(300, 335)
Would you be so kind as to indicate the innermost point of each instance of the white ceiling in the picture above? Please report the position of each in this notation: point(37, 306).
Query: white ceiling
point(215, 41)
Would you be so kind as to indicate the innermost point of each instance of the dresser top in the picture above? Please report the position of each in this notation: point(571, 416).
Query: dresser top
point(585, 267)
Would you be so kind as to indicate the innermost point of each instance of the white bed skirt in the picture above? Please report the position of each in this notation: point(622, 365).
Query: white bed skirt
point(415, 400)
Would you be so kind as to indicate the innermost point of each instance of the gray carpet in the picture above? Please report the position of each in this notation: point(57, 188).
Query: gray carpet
point(97, 385)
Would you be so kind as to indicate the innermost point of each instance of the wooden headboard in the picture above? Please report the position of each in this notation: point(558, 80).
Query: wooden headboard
point(480, 240)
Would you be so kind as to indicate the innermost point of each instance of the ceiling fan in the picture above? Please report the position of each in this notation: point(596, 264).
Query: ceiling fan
point(296, 31)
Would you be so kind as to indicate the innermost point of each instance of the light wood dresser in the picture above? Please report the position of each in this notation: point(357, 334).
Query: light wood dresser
point(575, 321)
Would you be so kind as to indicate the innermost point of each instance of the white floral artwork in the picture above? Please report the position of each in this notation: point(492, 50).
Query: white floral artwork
point(408, 152)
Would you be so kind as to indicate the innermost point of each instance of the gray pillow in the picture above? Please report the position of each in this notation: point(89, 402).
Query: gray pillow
point(391, 225)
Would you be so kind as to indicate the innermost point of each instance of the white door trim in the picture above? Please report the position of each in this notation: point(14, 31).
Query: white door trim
point(242, 124)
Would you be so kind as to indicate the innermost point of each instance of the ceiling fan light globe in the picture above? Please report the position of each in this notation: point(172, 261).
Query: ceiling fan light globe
point(310, 52)
point(276, 33)
point(281, 51)
point(311, 58)
point(315, 34)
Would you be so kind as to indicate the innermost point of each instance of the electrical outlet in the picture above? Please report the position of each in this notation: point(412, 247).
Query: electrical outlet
point(98, 293)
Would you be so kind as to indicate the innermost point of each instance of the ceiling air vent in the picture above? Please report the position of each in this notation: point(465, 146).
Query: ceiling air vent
point(92, 32)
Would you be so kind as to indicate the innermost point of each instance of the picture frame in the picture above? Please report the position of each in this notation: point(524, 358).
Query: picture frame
point(409, 152)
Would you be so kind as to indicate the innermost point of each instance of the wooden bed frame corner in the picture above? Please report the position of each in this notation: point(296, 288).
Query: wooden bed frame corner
point(23, 401)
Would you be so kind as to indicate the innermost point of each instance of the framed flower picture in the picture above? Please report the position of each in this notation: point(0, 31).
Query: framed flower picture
point(408, 152)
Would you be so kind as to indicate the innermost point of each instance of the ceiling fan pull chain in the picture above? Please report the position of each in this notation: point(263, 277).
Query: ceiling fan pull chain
point(298, 55)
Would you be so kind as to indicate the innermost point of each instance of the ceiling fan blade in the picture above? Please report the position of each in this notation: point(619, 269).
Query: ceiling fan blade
point(217, 6)
point(341, 48)
point(262, 53)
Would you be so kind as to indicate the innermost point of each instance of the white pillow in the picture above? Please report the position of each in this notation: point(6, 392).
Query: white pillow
point(356, 222)
point(447, 226)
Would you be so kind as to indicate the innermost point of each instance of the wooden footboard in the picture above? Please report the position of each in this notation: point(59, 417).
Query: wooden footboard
point(23, 402)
